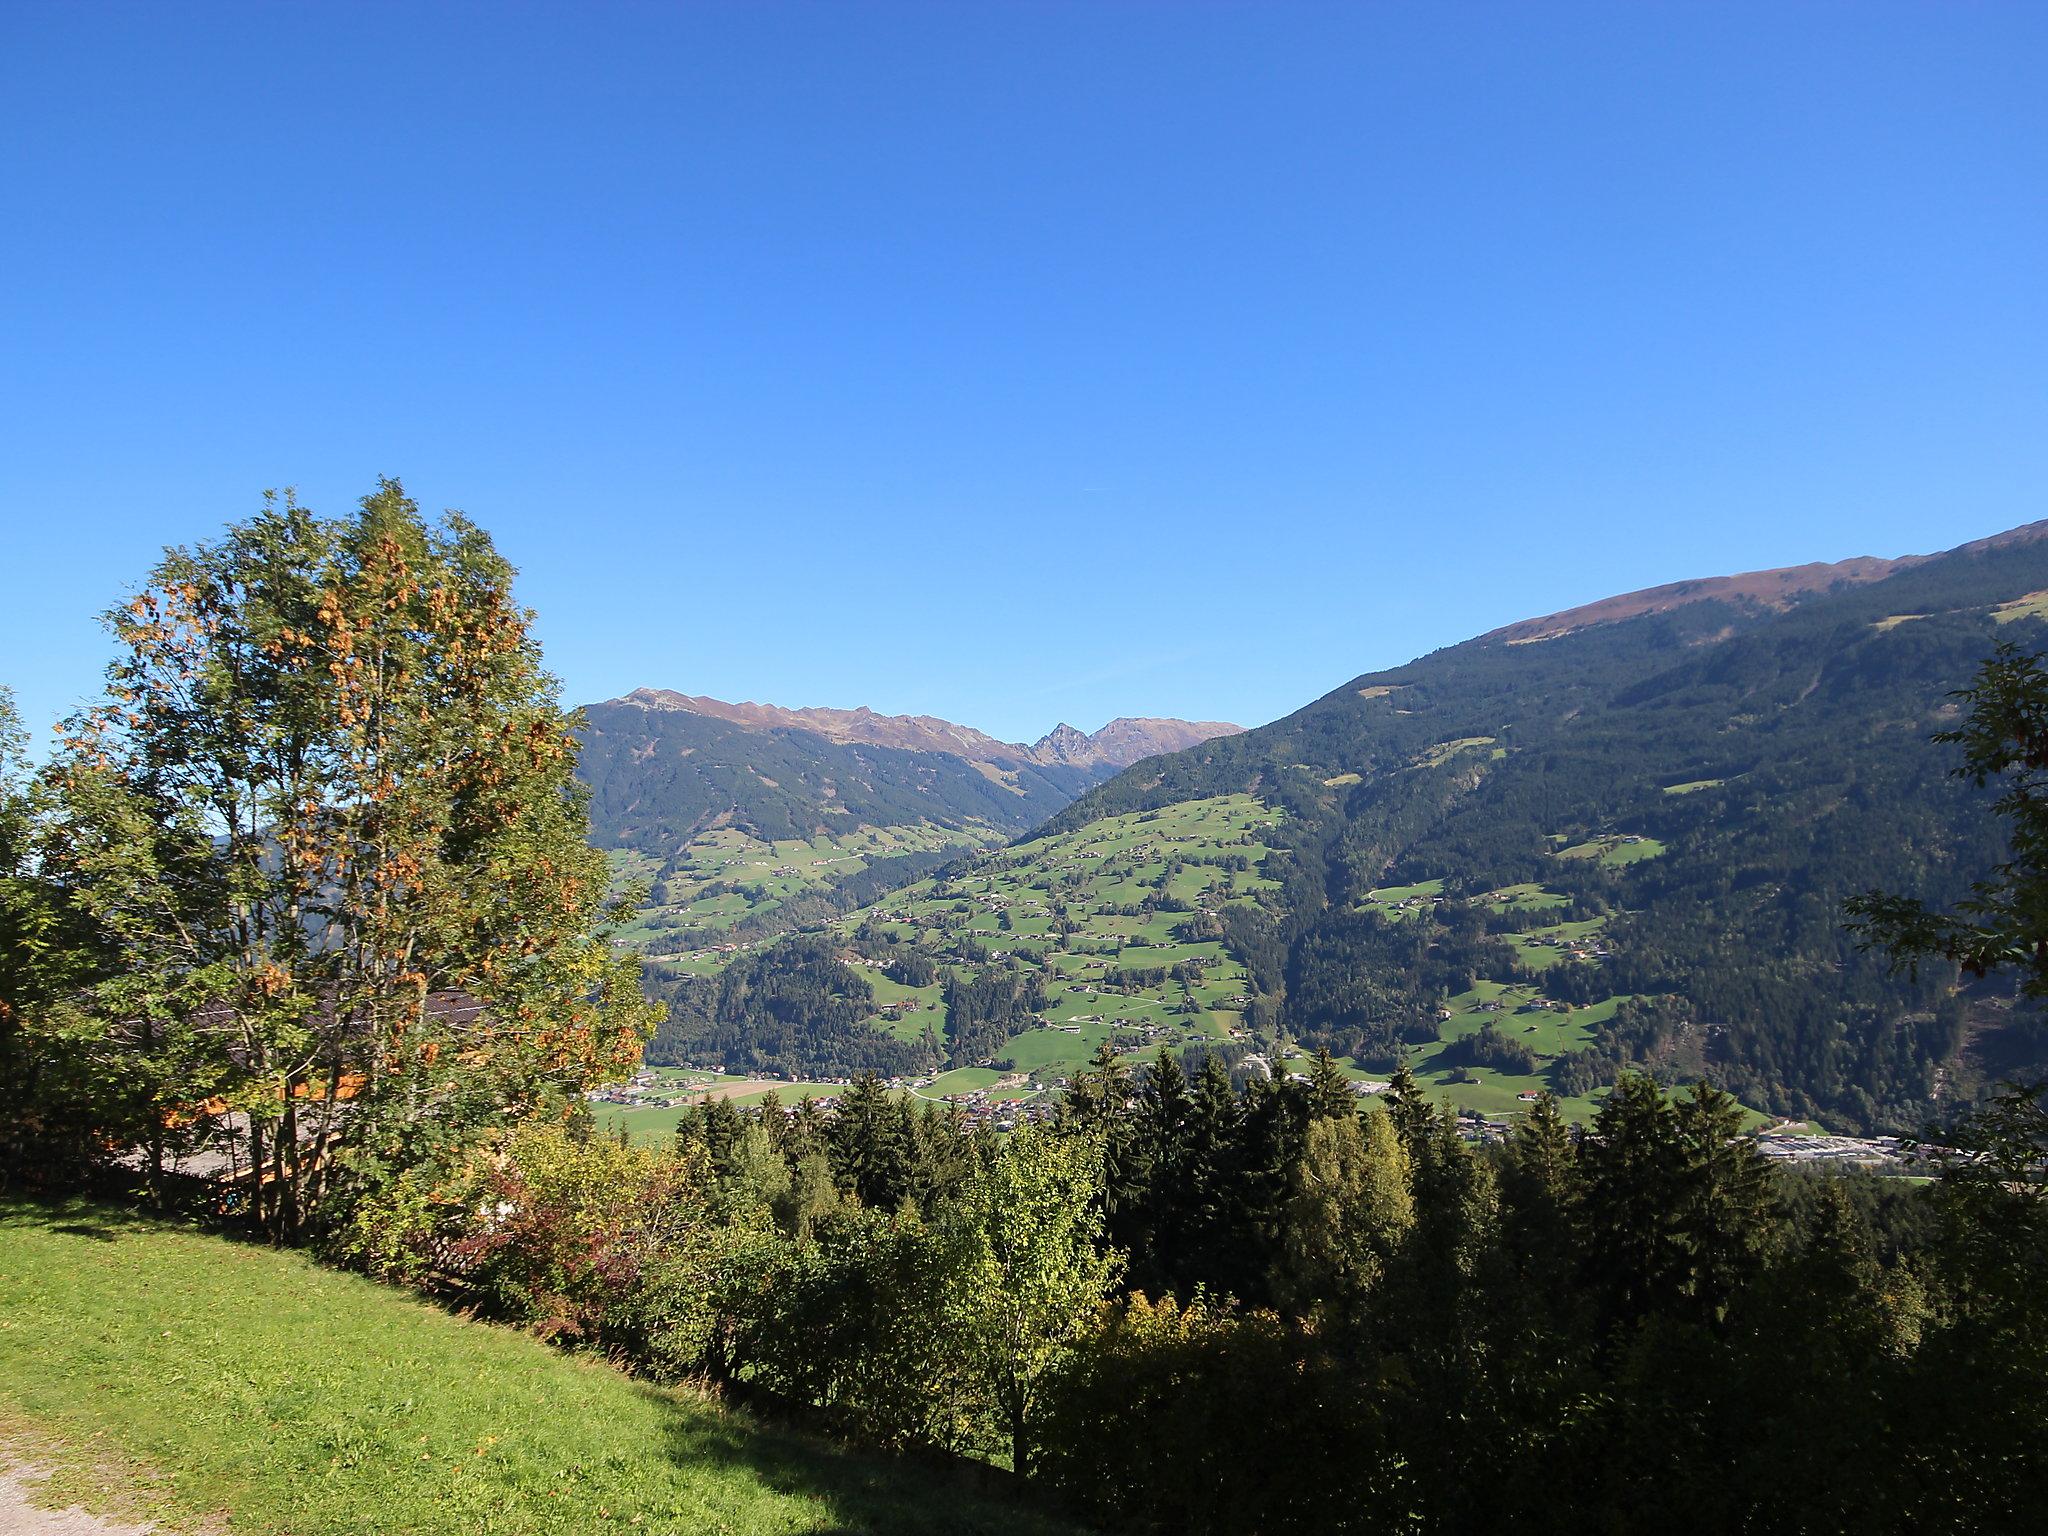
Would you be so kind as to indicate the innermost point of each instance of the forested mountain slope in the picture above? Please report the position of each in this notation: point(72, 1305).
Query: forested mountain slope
point(1665, 807)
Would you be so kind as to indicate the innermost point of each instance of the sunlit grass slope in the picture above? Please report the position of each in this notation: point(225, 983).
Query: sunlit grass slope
point(294, 1398)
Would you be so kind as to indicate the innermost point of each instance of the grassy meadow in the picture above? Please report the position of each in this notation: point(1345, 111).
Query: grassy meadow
point(187, 1378)
point(719, 877)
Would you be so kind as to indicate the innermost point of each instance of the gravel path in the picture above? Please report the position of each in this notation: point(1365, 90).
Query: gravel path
point(20, 1517)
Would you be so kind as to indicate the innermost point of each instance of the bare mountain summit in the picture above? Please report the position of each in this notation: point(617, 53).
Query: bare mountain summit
point(1766, 591)
point(1118, 744)
point(1126, 740)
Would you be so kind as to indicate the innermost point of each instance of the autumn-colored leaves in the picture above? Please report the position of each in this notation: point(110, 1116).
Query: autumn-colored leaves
point(345, 728)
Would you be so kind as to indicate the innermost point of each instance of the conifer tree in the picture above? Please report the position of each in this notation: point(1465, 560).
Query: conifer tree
point(1413, 1115)
point(1328, 1093)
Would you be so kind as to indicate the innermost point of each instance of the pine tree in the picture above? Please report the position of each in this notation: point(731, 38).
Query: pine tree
point(1328, 1093)
point(1634, 1159)
point(1413, 1115)
point(1726, 1200)
point(870, 1145)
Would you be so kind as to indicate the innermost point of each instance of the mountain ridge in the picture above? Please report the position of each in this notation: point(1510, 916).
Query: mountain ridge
point(1772, 590)
point(1125, 740)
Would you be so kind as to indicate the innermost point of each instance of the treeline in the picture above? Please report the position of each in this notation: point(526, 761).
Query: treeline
point(1190, 1308)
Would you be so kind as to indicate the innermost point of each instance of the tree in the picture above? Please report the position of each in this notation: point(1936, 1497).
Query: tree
point(2004, 922)
point(1409, 1108)
point(1329, 1093)
point(60, 1098)
point(870, 1145)
point(1026, 1277)
point(1346, 1213)
point(327, 809)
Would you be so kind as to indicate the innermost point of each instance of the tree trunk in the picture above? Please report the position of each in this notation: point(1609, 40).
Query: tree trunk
point(1020, 1446)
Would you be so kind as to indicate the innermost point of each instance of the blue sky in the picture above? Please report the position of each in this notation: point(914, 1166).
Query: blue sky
point(1017, 363)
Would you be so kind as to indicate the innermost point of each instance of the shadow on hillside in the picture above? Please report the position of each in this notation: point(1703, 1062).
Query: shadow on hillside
point(867, 1492)
point(112, 1209)
point(76, 1216)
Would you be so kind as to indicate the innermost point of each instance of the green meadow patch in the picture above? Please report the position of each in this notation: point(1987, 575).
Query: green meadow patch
point(1693, 786)
point(1113, 919)
point(2033, 606)
point(249, 1387)
point(1615, 849)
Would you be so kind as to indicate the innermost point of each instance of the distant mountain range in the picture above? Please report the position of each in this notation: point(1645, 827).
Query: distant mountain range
point(1118, 744)
point(735, 812)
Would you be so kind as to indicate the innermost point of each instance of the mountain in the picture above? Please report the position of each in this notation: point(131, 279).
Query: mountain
point(1125, 741)
point(733, 811)
point(1665, 802)
point(1618, 836)
point(1117, 745)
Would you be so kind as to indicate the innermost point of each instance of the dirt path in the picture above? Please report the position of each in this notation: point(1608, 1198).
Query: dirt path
point(20, 1483)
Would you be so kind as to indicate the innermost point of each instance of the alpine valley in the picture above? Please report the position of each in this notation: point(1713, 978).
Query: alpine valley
point(1620, 835)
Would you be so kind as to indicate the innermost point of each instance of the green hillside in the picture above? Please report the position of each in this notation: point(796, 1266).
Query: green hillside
point(712, 883)
point(178, 1376)
point(1021, 961)
point(732, 826)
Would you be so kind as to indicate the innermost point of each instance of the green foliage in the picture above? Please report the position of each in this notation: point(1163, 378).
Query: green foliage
point(2003, 923)
point(1348, 1210)
point(1025, 1273)
point(329, 786)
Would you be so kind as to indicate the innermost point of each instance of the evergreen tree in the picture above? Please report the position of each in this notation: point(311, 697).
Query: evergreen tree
point(1726, 1213)
point(1413, 1115)
point(1632, 1158)
point(1328, 1094)
point(870, 1145)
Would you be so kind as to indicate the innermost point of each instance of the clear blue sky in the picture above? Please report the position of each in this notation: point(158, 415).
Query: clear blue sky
point(1019, 363)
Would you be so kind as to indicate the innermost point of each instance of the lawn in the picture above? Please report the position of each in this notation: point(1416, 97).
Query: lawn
point(233, 1379)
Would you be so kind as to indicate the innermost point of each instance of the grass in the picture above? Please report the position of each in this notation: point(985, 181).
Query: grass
point(1693, 786)
point(1615, 850)
point(1567, 939)
point(1444, 751)
point(719, 877)
point(1006, 901)
point(1527, 897)
point(236, 1379)
point(2033, 606)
